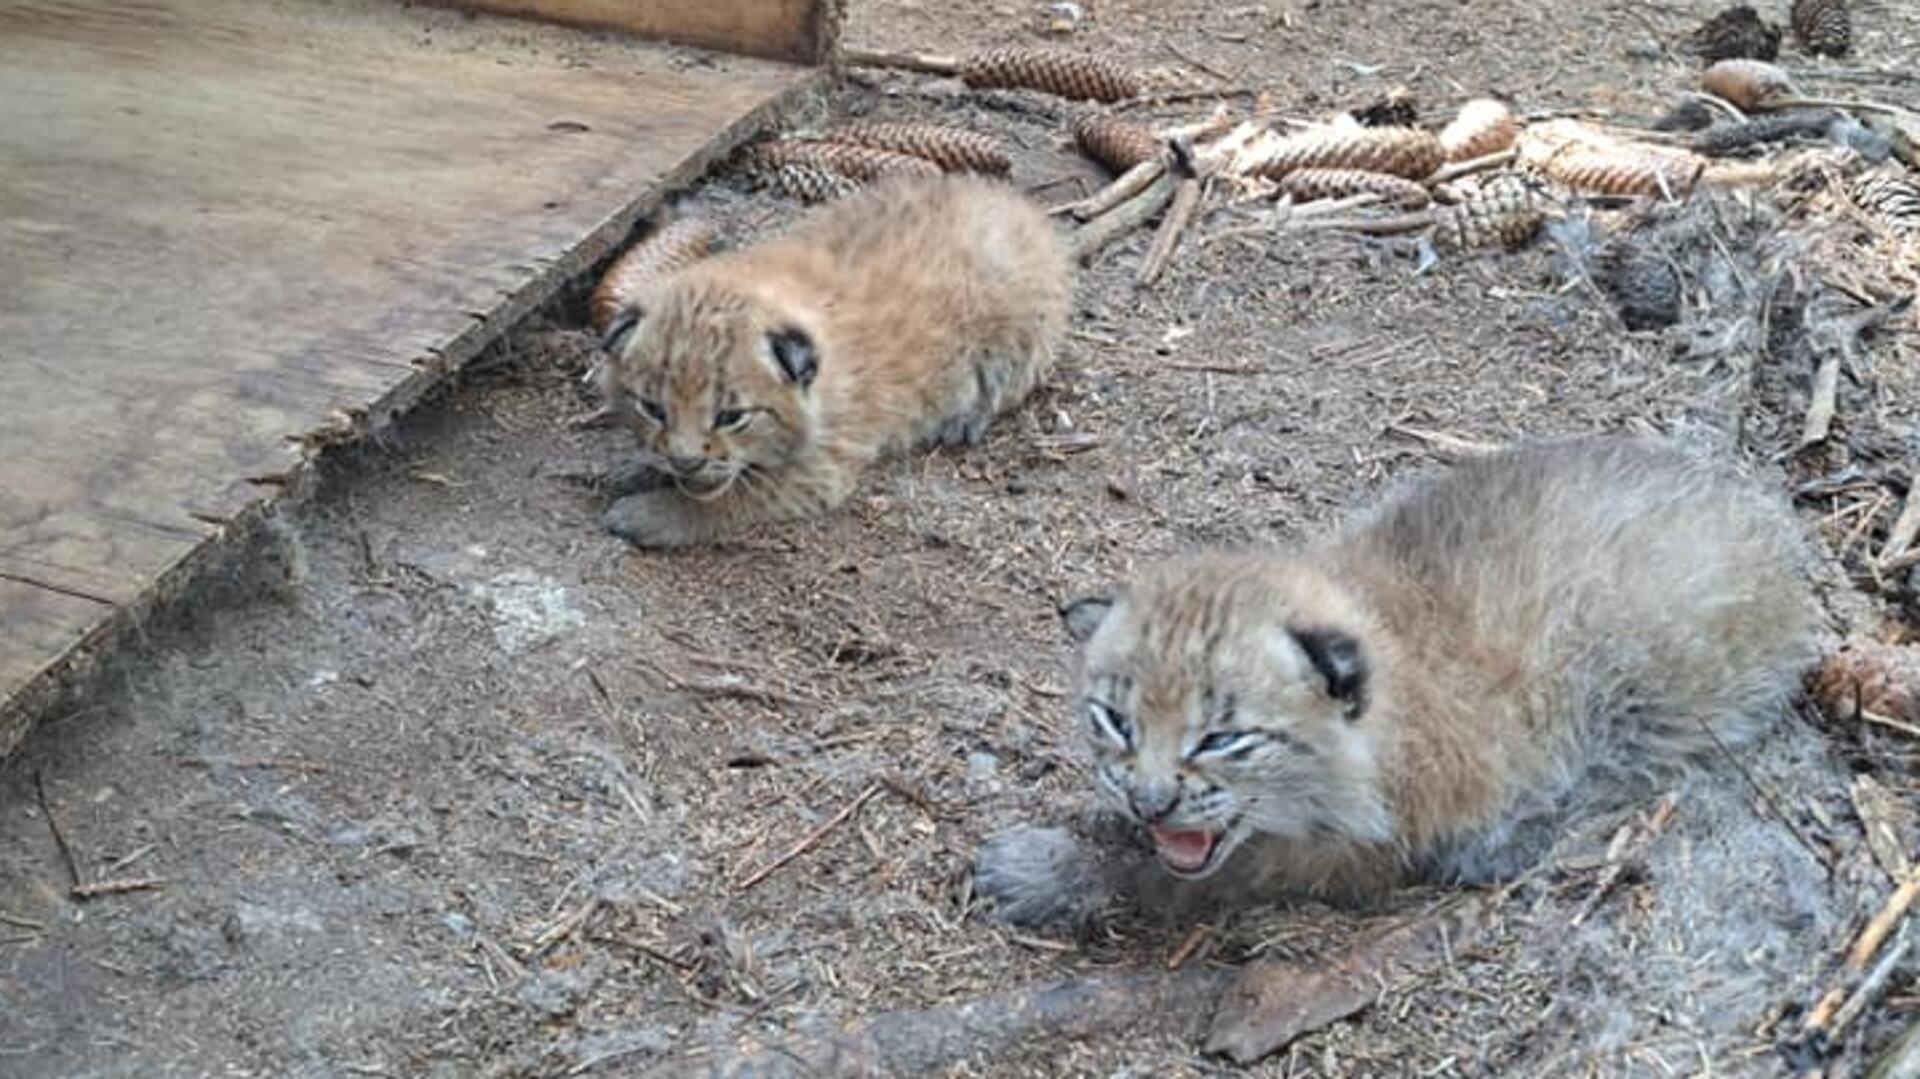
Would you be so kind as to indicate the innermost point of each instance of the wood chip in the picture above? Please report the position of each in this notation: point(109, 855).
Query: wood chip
point(1274, 1003)
point(1890, 826)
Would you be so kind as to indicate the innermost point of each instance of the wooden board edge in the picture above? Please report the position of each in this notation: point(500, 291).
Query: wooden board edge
point(796, 31)
point(69, 682)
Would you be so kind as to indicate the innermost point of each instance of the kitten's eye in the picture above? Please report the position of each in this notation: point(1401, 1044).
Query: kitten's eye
point(1220, 743)
point(653, 410)
point(731, 419)
point(1109, 724)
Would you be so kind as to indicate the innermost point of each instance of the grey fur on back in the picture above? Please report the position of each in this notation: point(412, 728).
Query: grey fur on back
point(1651, 601)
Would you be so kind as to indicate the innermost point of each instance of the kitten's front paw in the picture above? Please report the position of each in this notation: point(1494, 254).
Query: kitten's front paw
point(654, 518)
point(1035, 877)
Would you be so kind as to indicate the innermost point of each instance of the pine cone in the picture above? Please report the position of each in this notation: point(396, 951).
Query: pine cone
point(810, 183)
point(1484, 126)
point(1400, 151)
point(1506, 213)
point(1738, 33)
point(671, 247)
point(1055, 71)
point(1581, 158)
point(1305, 185)
point(1748, 84)
point(1869, 676)
point(817, 171)
point(954, 149)
point(1822, 27)
point(1115, 143)
point(1891, 197)
point(1625, 170)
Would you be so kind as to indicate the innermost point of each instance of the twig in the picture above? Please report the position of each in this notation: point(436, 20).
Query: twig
point(1095, 235)
point(287, 764)
point(116, 887)
point(734, 686)
point(1445, 444)
point(1042, 944)
point(1826, 387)
point(562, 929)
point(1056, 447)
point(1125, 186)
point(1889, 722)
point(1457, 169)
point(1166, 239)
point(1376, 226)
point(651, 952)
point(1883, 923)
point(911, 792)
point(53, 825)
point(1871, 986)
point(1286, 211)
point(1174, 97)
point(1838, 1008)
point(1906, 527)
point(1213, 368)
point(1629, 845)
point(1764, 795)
point(1851, 104)
point(929, 63)
point(124, 861)
point(982, 1031)
point(1189, 944)
point(813, 838)
point(1195, 62)
point(1836, 339)
point(1901, 1060)
point(22, 923)
point(492, 950)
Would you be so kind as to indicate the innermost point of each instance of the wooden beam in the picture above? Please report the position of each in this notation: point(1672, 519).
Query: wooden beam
point(799, 31)
point(233, 231)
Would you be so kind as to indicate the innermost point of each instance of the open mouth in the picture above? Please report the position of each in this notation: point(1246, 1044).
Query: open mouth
point(1188, 852)
point(703, 487)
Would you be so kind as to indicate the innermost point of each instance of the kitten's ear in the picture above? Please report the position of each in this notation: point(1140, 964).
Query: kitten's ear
point(620, 331)
point(1338, 658)
point(1084, 616)
point(793, 350)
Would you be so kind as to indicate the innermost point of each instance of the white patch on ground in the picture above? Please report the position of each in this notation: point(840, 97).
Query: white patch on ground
point(529, 610)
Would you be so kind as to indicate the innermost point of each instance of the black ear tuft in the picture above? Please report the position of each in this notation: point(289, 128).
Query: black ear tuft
point(1337, 656)
point(1084, 616)
point(620, 330)
point(795, 353)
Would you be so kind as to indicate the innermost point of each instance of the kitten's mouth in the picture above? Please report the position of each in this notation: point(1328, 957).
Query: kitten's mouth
point(1188, 852)
point(703, 487)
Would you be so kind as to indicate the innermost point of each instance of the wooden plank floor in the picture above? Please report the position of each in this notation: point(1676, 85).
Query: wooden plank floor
point(225, 225)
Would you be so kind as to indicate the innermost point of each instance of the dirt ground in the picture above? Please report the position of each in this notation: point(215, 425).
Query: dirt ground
point(443, 780)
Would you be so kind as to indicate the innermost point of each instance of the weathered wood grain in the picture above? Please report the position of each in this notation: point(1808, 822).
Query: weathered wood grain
point(801, 31)
point(230, 230)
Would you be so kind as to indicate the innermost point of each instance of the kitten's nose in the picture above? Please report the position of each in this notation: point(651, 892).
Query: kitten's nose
point(1152, 802)
point(685, 465)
